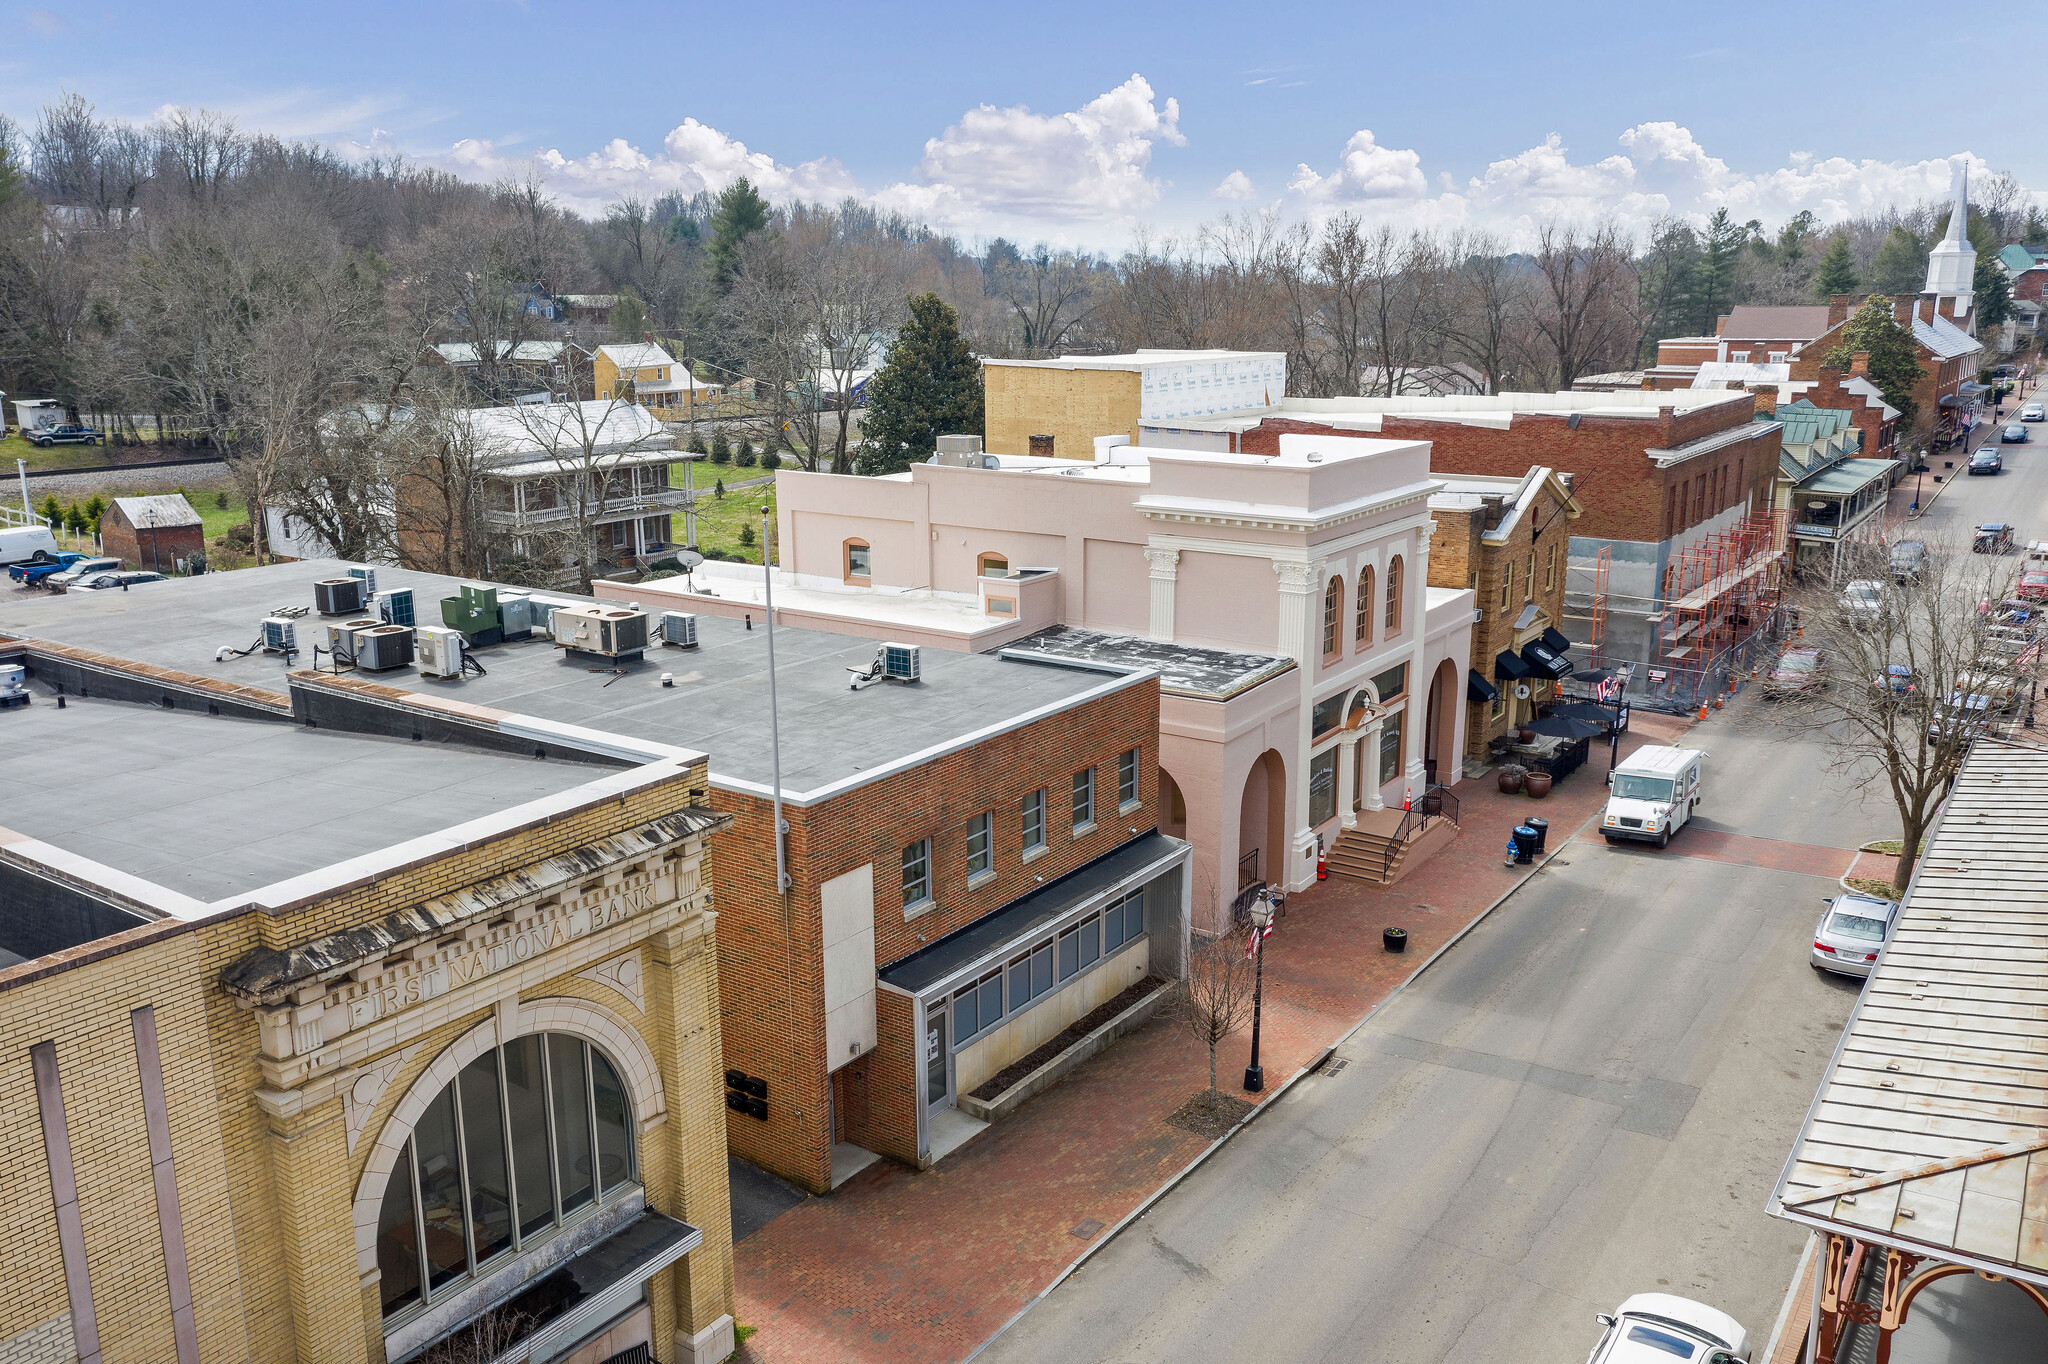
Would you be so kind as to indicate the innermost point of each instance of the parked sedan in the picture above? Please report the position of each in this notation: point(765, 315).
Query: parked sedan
point(1897, 678)
point(1797, 672)
point(103, 582)
point(2033, 586)
point(2013, 434)
point(1987, 461)
point(1663, 1328)
point(1852, 932)
point(2033, 412)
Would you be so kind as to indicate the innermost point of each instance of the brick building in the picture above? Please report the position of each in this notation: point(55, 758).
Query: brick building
point(152, 532)
point(1509, 542)
point(981, 821)
point(1078, 398)
point(348, 1047)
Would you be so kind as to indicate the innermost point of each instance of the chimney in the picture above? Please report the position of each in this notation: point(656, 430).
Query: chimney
point(1766, 396)
point(1492, 507)
point(1923, 308)
point(1859, 365)
point(1839, 308)
point(1042, 446)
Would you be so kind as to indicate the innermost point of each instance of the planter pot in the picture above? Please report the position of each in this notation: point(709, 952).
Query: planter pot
point(1510, 783)
point(1537, 784)
point(1432, 805)
point(1395, 939)
point(1527, 736)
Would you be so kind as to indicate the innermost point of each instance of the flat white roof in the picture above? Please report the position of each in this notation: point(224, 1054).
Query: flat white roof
point(1140, 359)
point(1658, 761)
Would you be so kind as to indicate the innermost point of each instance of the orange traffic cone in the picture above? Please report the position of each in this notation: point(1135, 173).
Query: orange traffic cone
point(1408, 799)
point(1703, 710)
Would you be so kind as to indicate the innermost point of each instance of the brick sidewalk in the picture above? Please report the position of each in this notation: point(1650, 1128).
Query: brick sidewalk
point(923, 1268)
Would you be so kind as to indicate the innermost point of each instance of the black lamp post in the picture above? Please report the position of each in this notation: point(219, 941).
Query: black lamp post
point(1262, 919)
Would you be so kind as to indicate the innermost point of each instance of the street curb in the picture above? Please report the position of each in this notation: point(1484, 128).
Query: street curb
point(1104, 1238)
point(1791, 1296)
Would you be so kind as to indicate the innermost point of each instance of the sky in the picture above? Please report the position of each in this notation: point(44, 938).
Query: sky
point(1082, 124)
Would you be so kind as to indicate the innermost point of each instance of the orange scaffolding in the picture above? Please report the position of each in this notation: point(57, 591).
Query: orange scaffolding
point(1721, 603)
point(1596, 647)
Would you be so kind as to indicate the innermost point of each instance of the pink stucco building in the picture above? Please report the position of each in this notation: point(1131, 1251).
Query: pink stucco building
point(1310, 675)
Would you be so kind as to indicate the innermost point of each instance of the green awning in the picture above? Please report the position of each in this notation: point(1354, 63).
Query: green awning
point(1850, 476)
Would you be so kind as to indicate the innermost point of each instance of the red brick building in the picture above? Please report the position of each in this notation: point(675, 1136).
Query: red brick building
point(152, 532)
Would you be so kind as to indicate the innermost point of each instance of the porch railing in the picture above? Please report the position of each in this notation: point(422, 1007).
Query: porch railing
point(1415, 819)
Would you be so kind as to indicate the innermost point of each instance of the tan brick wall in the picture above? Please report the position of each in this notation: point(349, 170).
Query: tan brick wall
point(1073, 406)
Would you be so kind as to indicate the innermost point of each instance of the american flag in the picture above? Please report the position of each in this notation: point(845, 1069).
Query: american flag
point(1607, 689)
point(1253, 938)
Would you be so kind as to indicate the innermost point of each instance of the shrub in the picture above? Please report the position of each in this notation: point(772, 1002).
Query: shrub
point(721, 451)
point(95, 508)
point(746, 535)
point(717, 490)
point(744, 456)
point(696, 445)
point(220, 500)
point(769, 459)
point(53, 510)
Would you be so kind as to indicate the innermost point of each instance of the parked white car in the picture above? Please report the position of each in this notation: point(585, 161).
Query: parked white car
point(1854, 930)
point(1663, 1328)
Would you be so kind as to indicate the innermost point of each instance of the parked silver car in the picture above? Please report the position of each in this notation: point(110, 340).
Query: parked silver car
point(1852, 932)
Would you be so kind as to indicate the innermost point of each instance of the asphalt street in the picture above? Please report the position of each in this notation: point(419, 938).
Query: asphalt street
point(1590, 1096)
point(2019, 495)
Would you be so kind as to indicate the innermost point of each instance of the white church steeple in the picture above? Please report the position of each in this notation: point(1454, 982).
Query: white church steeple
point(1952, 265)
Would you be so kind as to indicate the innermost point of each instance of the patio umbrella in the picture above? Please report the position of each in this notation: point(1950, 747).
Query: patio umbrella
point(1584, 710)
point(1564, 727)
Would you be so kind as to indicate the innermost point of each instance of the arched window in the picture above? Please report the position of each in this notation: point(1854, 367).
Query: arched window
point(526, 1135)
point(1333, 606)
point(859, 567)
point(1362, 631)
point(993, 566)
point(1394, 567)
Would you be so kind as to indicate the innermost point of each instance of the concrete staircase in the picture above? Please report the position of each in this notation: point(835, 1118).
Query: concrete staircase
point(1370, 853)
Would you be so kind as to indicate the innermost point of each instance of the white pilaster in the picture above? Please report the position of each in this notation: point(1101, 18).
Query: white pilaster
point(1347, 767)
point(1300, 606)
point(1165, 573)
point(1369, 754)
point(1416, 736)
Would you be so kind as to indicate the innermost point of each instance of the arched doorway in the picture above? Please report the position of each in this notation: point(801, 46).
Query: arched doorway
point(1262, 824)
point(1173, 807)
point(1440, 730)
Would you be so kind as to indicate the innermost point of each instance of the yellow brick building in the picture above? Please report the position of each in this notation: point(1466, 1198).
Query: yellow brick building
point(1075, 399)
point(282, 1079)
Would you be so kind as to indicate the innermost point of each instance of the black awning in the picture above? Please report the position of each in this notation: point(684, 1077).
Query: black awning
point(1478, 688)
point(1509, 666)
point(1556, 640)
point(997, 930)
point(1545, 661)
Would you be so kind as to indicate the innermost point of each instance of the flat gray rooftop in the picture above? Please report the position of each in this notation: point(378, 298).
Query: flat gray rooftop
point(211, 807)
point(719, 704)
point(1184, 669)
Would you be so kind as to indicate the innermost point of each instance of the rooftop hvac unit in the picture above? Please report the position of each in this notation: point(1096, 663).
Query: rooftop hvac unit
point(383, 647)
point(395, 608)
point(440, 651)
point(369, 577)
point(601, 629)
point(13, 686)
point(893, 663)
point(339, 596)
point(515, 616)
point(679, 628)
point(280, 636)
point(474, 611)
point(341, 638)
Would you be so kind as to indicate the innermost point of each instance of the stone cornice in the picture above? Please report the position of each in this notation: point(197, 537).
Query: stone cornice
point(1272, 517)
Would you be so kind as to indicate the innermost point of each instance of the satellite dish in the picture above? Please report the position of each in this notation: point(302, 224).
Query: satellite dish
point(688, 559)
point(1521, 691)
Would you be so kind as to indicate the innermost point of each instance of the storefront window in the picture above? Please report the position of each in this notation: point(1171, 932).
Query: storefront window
point(1390, 749)
point(1392, 684)
point(1322, 787)
point(1327, 715)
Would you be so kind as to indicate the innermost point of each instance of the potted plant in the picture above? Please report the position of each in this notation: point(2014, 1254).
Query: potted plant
point(1510, 777)
point(1536, 785)
point(1394, 939)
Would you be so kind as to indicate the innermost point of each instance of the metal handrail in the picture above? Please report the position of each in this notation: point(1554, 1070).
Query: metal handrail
point(1415, 819)
point(1241, 907)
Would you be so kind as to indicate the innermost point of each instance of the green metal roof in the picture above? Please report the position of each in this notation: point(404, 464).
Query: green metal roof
point(2016, 257)
point(1849, 476)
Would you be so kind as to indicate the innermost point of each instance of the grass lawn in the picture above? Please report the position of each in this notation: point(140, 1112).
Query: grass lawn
point(720, 520)
point(14, 447)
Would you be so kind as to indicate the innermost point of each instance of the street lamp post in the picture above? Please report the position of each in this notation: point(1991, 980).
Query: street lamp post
point(1624, 673)
point(1262, 920)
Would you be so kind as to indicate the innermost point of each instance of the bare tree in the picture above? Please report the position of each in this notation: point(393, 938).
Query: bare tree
point(1215, 1000)
point(1583, 312)
point(1050, 293)
point(601, 453)
point(1919, 665)
point(1490, 305)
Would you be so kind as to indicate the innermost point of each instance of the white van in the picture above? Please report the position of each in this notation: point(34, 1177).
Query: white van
point(1653, 794)
point(27, 543)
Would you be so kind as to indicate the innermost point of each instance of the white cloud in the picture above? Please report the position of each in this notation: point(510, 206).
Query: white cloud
point(1091, 164)
point(1366, 170)
point(1236, 186)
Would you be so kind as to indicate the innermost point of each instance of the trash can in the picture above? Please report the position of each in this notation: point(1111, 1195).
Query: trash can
point(1525, 844)
point(1542, 828)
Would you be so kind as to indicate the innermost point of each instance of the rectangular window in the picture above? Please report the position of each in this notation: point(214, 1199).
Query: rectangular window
point(1112, 929)
point(483, 1150)
point(1127, 779)
point(978, 841)
point(1084, 797)
point(1529, 578)
point(1134, 915)
point(990, 988)
point(1069, 953)
point(1034, 820)
point(1507, 585)
point(1090, 929)
point(966, 1013)
point(1392, 684)
point(917, 873)
point(572, 1120)
point(1020, 981)
point(1550, 569)
point(1041, 970)
point(857, 561)
point(614, 1140)
point(1322, 787)
point(1390, 749)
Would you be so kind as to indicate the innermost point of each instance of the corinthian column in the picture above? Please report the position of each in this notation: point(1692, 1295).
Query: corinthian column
point(1165, 572)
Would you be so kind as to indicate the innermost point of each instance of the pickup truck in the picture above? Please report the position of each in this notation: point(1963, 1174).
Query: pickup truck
point(32, 574)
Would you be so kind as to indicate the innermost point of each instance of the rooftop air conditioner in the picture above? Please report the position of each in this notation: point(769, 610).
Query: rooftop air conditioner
point(383, 647)
point(13, 686)
point(602, 629)
point(474, 611)
point(339, 596)
point(893, 663)
point(369, 577)
point(440, 651)
point(515, 616)
point(395, 608)
point(341, 638)
point(280, 636)
point(679, 628)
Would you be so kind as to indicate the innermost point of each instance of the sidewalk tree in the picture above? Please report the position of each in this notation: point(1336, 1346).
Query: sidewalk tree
point(1216, 998)
point(1894, 356)
point(1837, 268)
point(929, 386)
point(1905, 734)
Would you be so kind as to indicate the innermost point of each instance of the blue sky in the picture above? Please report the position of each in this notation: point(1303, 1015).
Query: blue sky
point(1101, 117)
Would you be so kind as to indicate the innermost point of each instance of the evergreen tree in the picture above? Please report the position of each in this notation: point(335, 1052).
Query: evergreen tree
point(1716, 276)
point(721, 450)
point(696, 446)
point(1894, 357)
point(2035, 233)
point(743, 456)
point(1837, 268)
point(74, 517)
point(95, 508)
point(53, 511)
point(1990, 287)
point(741, 212)
point(1666, 280)
point(928, 386)
point(1900, 266)
point(628, 318)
